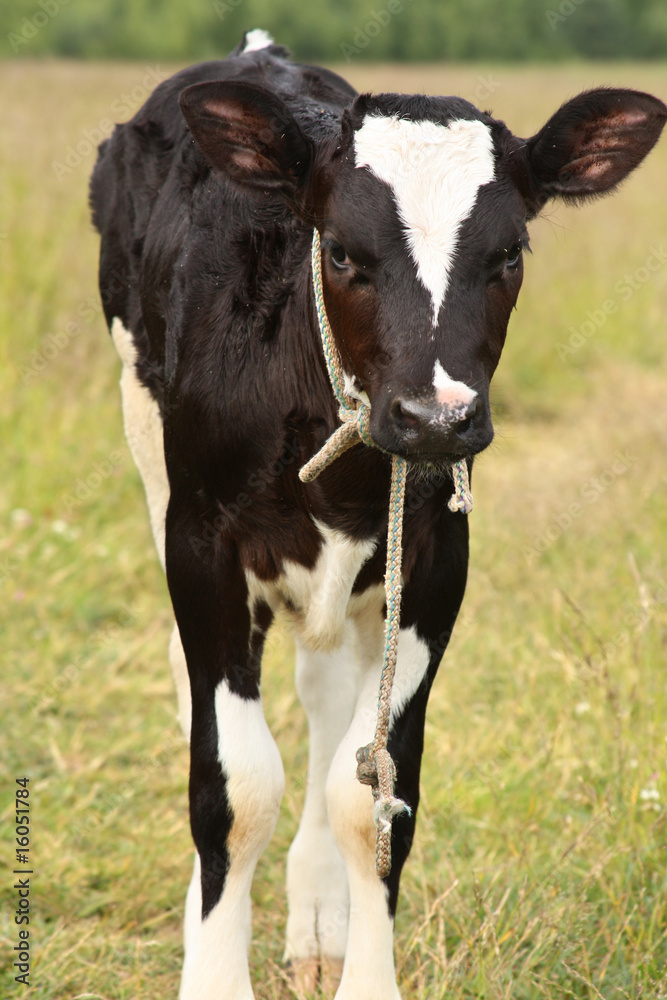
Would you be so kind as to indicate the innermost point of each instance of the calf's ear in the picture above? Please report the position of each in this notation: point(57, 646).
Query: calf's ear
point(250, 135)
point(592, 143)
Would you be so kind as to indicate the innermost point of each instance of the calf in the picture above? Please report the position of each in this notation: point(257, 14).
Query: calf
point(206, 213)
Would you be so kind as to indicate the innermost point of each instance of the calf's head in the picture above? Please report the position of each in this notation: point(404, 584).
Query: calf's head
point(422, 205)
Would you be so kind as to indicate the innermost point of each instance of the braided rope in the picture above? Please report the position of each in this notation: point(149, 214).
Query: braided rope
point(375, 766)
point(331, 355)
point(386, 804)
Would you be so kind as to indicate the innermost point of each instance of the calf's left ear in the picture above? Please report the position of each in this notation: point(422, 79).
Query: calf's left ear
point(592, 143)
point(249, 134)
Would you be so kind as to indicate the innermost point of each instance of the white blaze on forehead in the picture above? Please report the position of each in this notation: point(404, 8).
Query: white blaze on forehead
point(257, 39)
point(448, 391)
point(435, 172)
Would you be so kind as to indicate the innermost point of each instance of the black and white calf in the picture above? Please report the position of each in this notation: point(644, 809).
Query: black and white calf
point(206, 212)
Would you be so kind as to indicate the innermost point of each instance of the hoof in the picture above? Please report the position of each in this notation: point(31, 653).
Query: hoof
point(309, 974)
point(305, 974)
point(331, 971)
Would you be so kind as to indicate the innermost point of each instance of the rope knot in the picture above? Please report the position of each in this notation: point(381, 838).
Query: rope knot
point(376, 768)
point(367, 772)
point(461, 498)
point(384, 811)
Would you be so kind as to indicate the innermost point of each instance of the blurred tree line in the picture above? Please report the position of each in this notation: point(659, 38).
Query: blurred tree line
point(339, 30)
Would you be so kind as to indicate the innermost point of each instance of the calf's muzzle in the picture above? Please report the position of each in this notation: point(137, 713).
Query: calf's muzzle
point(424, 428)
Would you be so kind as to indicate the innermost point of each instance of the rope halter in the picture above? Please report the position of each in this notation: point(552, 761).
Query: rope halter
point(375, 766)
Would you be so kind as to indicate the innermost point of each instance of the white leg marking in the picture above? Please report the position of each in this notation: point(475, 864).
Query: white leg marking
point(369, 972)
point(251, 762)
point(435, 172)
point(317, 893)
point(216, 962)
point(192, 921)
point(411, 665)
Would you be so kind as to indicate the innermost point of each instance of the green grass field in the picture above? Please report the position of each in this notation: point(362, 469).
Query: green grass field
point(539, 869)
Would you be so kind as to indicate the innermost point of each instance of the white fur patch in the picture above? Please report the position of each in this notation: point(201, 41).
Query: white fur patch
point(448, 391)
point(435, 172)
point(143, 430)
point(317, 599)
point(257, 39)
point(251, 763)
point(411, 665)
point(317, 893)
point(179, 669)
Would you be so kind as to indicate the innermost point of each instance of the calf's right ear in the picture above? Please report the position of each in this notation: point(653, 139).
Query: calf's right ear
point(250, 135)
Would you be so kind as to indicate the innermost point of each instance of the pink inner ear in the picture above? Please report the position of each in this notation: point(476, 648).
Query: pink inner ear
point(597, 167)
point(232, 111)
point(246, 159)
point(611, 133)
point(593, 167)
point(628, 119)
point(252, 163)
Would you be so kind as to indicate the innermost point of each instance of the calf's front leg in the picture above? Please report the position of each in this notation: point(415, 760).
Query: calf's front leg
point(429, 610)
point(236, 774)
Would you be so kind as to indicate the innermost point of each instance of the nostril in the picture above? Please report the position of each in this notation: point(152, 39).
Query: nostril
point(404, 416)
point(471, 411)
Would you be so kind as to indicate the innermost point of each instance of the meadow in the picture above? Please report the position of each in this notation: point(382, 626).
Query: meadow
point(539, 869)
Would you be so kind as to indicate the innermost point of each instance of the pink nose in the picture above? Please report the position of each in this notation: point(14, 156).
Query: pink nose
point(455, 396)
point(449, 392)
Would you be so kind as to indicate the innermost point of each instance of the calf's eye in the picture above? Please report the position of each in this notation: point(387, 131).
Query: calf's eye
point(514, 255)
point(338, 255)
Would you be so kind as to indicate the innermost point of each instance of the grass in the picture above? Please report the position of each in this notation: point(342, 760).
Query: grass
point(539, 867)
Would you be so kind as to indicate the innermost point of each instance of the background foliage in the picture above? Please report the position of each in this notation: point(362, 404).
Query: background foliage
point(335, 29)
